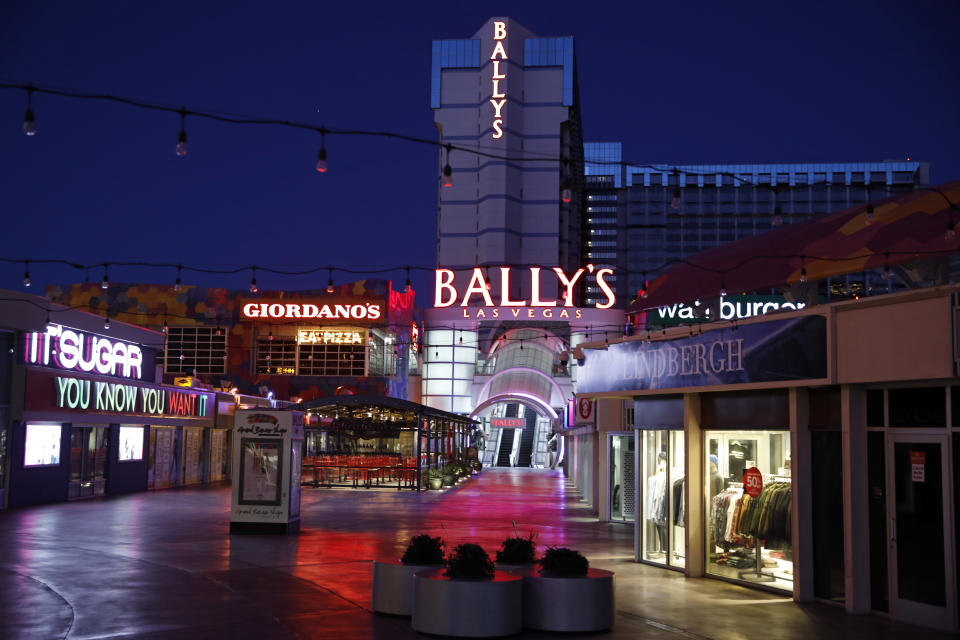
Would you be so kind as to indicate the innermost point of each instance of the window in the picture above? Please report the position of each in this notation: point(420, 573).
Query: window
point(42, 446)
point(196, 348)
point(131, 444)
point(276, 355)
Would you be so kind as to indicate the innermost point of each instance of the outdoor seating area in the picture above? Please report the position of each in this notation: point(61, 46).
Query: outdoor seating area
point(360, 470)
point(368, 442)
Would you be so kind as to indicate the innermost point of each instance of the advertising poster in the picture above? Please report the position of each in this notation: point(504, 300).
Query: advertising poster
point(42, 447)
point(260, 471)
point(131, 444)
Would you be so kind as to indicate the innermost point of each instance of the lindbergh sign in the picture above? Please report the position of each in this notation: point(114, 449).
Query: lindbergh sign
point(269, 311)
point(446, 293)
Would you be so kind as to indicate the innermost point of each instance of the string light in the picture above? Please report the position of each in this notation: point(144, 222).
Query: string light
point(166, 328)
point(176, 284)
point(409, 287)
point(868, 218)
point(253, 280)
point(322, 153)
point(330, 280)
point(675, 200)
point(566, 195)
point(105, 283)
point(777, 217)
point(26, 273)
point(951, 234)
point(29, 123)
point(803, 270)
point(106, 320)
point(448, 171)
point(181, 148)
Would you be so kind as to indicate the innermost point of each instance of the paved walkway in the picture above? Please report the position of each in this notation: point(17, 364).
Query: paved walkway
point(163, 565)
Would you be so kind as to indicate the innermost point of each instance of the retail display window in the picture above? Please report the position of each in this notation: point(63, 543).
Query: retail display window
point(748, 538)
point(662, 539)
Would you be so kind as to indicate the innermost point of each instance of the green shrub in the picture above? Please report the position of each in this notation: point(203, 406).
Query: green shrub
point(563, 562)
point(469, 561)
point(424, 550)
point(518, 550)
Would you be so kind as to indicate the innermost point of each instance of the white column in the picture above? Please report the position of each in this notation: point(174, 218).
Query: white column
point(802, 491)
point(693, 489)
point(856, 509)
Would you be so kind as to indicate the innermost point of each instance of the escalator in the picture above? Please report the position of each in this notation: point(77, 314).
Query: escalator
point(506, 447)
point(526, 438)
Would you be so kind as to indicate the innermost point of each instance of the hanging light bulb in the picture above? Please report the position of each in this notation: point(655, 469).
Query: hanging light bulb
point(105, 283)
point(447, 171)
point(253, 281)
point(176, 284)
point(181, 148)
point(409, 287)
point(330, 280)
point(270, 337)
point(181, 357)
point(322, 153)
point(166, 328)
point(566, 195)
point(777, 216)
point(723, 288)
point(29, 124)
point(869, 215)
point(447, 176)
point(951, 234)
point(803, 274)
point(26, 273)
point(675, 200)
point(219, 331)
point(106, 320)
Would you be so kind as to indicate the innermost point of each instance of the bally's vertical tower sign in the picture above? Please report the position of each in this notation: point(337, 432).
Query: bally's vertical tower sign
point(498, 96)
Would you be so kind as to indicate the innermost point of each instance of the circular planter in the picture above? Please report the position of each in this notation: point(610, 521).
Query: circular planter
point(449, 481)
point(467, 608)
point(515, 568)
point(393, 586)
point(436, 483)
point(583, 603)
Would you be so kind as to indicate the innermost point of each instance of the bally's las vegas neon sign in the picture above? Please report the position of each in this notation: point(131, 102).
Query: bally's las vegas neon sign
point(446, 293)
point(498, 97)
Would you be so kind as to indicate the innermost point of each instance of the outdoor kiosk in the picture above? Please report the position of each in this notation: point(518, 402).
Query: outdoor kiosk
point(267, 450)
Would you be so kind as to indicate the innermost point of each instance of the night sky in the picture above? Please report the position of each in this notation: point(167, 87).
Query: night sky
point(676, 82)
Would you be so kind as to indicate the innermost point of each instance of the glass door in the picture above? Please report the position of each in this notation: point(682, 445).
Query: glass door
point(88, 462)
point(919, 529)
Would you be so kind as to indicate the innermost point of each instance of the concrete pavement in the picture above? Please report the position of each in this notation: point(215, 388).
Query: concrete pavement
point(163, 565)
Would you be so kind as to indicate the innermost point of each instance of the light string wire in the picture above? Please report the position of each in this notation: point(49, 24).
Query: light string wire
point(230, 118)
point(479, 150)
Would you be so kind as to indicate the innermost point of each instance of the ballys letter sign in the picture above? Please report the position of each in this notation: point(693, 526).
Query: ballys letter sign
point(498, 96)
point(446, 294)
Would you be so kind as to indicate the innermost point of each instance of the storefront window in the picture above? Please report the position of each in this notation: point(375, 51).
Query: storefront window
point(749, 538)
point(42, 446)
point(622, 478)
point(662, 476)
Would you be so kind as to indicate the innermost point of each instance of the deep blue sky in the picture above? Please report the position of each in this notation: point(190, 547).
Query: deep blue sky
point(846, 80)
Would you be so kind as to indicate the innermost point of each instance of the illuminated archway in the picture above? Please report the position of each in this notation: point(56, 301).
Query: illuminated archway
point(538, 405)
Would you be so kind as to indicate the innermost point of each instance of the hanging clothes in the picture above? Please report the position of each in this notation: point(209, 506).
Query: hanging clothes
point(678, 514)
point(656, 498)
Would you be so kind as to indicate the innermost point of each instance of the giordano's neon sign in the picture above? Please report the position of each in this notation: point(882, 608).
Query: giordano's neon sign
point(446, 293)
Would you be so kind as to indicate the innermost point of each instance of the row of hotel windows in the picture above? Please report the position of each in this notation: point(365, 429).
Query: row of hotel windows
point(334, 351)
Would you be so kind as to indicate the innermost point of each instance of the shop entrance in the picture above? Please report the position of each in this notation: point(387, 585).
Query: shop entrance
point(162, 468)
point(88, 462)
point(919, 530)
